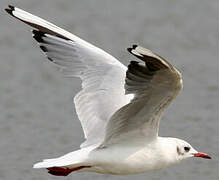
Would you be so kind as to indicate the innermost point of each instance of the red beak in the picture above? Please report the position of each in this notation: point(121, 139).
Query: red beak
point(202, 155)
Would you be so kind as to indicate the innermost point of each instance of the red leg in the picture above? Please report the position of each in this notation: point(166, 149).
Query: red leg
point(60, 171)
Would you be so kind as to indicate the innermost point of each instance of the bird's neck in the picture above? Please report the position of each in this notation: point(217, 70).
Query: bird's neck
point(168, 149)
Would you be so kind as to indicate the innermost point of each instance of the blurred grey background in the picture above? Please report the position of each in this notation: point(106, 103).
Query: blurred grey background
point(37, 117)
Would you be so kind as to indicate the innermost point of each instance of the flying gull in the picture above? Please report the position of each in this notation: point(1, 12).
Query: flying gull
point(119, 107)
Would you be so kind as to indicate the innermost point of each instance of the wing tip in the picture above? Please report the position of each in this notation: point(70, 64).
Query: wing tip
point(10, 9)
point(134, 46)
point(10, 6)
point(133, 50)
point(43, 48)
point(37, 35)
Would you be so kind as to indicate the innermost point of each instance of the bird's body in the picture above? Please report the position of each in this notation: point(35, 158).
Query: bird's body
point(131, 159)
point(121, 158)
point(119, 107)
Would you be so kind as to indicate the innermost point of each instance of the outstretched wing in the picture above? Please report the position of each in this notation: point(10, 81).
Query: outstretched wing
point(103, 76)
point(154, 83)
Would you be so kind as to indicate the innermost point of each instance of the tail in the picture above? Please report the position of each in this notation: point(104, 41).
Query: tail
point(66, 164)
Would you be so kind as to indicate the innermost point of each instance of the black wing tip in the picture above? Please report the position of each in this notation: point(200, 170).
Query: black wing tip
point(43, 48)
point(129, 49)
point(133, 47)
point(10, 9)
point(37, 35)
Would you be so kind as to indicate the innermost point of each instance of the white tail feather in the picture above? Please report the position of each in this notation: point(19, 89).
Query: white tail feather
point(76, 158)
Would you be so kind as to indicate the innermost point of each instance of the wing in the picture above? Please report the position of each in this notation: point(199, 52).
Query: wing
point(103, 77)
point(154, 83)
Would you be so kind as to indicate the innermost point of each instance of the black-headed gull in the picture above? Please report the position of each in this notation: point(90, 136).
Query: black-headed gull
point(119, 107)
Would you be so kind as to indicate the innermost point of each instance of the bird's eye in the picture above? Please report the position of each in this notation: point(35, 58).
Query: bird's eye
point(187, 149)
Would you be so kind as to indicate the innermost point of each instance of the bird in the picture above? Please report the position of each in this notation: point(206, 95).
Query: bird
point(119, 106)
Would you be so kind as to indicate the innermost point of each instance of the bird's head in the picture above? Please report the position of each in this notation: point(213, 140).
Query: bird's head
point(184, 150)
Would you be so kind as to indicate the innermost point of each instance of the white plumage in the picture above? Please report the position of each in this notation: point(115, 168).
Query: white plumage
point(119, 107)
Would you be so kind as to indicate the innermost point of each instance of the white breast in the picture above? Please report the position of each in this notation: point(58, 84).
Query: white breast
point(129, 159)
